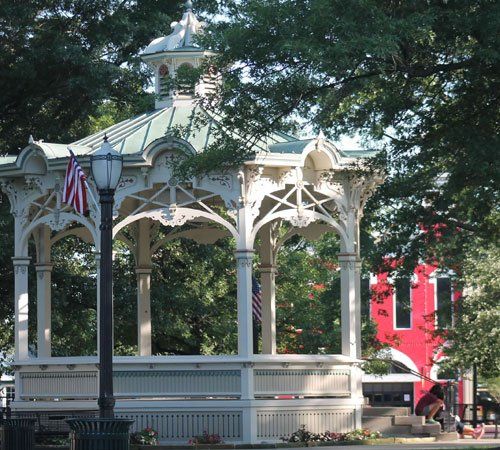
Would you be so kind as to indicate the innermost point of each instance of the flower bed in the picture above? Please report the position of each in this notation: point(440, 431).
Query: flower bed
point(306, 436)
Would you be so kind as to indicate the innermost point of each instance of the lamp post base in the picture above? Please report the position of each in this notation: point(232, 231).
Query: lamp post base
point(91, 433)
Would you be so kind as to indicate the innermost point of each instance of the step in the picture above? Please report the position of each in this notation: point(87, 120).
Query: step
point(376, 423)
point(386, 426)
point(409, 420)
point(377, 411)
point(429, 429)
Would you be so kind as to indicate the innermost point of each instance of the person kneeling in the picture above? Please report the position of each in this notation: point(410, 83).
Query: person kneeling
point(430, 404)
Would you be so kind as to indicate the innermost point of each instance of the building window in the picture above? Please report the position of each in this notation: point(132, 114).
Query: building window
point(402, 303)
point(444, 304)
point(187, 77)
point(164, 79)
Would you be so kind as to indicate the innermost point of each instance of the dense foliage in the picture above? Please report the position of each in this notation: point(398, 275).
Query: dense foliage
point(417, 81)
point(61, 60)
point(476, 334)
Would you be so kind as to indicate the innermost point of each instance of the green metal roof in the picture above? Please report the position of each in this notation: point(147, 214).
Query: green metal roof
point(134, 135)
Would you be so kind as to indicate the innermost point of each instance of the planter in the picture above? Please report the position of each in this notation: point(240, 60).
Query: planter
point(17, 433)
point(89, 433)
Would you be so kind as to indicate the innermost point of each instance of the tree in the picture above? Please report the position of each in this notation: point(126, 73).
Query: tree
point(66, 68)
point(61, 60)
point(417, 80)
point(308, 302)
point(476, 334)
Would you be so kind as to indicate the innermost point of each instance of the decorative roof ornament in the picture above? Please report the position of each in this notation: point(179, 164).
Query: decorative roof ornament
point(31, 140)
point(181, 36)
point(320, 140)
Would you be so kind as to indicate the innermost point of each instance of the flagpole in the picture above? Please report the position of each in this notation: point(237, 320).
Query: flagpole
point(91, 195)
point(87, 185)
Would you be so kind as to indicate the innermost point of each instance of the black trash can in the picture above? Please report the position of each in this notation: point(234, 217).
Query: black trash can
point(90, 433)
point(17, 434)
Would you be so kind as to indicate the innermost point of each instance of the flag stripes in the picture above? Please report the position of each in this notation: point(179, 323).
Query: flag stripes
point(74, 192)
point(256, 300)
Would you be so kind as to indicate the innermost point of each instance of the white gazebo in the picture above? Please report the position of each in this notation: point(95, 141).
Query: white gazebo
point(308, 184)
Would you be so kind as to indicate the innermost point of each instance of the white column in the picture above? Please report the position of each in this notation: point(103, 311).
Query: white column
point(268, 276)
point(244, 260)
point(143, 310)
point(350, 317)
point(267, 280)
point(43, 289)
point(143, 271)
point(21, 264)
point(44, 316)
point(357, 300)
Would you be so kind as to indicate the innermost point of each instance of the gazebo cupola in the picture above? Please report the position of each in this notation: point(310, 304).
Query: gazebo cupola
point(173, 59)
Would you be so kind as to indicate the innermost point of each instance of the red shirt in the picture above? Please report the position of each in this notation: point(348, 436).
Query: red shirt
point(426, 400)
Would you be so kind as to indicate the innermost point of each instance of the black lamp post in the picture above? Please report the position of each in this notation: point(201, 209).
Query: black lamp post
point(106, 165)
point(105, 432)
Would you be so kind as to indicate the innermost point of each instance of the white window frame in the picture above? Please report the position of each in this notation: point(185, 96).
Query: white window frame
point(394, 298)
point(433, 280)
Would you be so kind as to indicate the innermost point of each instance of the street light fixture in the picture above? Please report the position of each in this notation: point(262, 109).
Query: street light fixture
point(106, 166)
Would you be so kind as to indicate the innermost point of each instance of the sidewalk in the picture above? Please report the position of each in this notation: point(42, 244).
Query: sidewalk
point(463, 444)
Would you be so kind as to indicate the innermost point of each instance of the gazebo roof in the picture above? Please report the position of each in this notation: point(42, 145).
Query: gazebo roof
point(133, 137)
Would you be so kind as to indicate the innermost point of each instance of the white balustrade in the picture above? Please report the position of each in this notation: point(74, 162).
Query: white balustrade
point(164, 377)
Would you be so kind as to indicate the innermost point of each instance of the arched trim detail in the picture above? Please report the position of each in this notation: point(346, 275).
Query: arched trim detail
point(165, 144)
point(82, 233)
point(310, 216)
point(179, 217)
point(324, 148)
point(64, 218)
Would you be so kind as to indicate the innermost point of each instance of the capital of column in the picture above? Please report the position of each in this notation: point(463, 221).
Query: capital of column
point(244, 258)
point(21, 263)
point(44, 267)
point(143, 270)
point(268, 268)
point(348, 260)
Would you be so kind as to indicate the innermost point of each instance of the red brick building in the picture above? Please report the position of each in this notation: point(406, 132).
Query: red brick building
point(407, 311)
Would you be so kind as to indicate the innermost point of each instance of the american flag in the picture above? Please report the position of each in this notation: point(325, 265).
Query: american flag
point(74, 192)
point(256, 300)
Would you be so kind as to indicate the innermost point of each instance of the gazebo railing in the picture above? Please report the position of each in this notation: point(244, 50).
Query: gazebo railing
point(168, 377)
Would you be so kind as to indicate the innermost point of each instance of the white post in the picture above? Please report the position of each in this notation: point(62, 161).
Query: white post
point(43, 288)
point(21, 264)
point(143, 310)
point(349, 319)
point(357, 300)
point(143, 271)
point(267, 279)
point(244, 259)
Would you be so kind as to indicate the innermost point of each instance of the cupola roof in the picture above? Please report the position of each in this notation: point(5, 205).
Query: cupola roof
point(182, 36)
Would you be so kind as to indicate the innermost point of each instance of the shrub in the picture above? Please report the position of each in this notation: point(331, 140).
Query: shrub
point(206, 438)
point(148, 436)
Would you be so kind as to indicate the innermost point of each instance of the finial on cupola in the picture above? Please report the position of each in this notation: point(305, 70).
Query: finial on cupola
point(31, 140)
point(189, 5)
